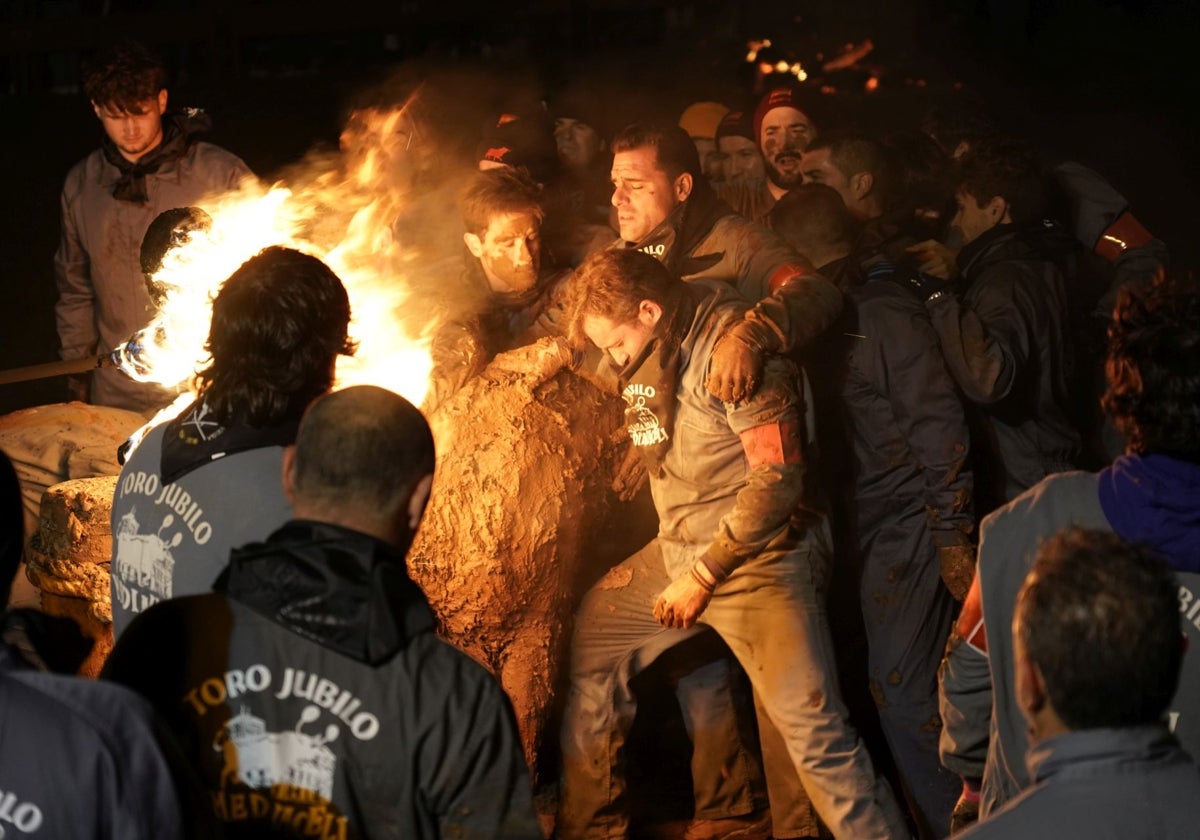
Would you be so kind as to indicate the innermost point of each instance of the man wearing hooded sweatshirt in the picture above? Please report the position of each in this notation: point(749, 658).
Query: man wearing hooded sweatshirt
point(310, 690)
point(1150, 495)
point(150, 161)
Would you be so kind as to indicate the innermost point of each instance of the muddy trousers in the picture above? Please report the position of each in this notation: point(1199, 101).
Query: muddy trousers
point(907, 614)
point(771, 617)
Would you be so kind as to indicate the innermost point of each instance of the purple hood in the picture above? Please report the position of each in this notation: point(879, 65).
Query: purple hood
point(1155, 500)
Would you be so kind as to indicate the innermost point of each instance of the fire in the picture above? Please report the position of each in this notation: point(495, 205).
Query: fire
point(342, 215)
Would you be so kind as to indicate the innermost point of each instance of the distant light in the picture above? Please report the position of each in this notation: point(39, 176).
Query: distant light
point(872, 84)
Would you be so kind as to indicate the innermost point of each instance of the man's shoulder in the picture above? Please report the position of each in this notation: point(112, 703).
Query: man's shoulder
point(212, 159)
point(86, 170)
point(1054, 501)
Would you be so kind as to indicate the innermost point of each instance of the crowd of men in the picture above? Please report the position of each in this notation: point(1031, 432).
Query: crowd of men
point(863, 378)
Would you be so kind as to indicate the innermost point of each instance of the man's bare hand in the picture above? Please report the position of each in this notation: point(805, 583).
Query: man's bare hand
point(79, 387)
point(631, 474)
point(935, 258)
point(681, 603)
point(735, 369)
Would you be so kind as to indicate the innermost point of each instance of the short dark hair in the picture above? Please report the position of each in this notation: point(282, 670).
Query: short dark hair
point(495, 192)
point(854, 153)
point(963, 121)
point(12, 526)
point(278, 325)
point(1099, 617)
point(674, 150)
point(362, 446)
point(1005, 167)
point(611, 284)
point(813, 217)
point(1153, 367)
point(124, 76)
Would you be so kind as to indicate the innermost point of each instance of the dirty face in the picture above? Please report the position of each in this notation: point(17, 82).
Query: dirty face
point(742, 158)
point(578, 143)
point(510, 252)
point(785, 134)
point(644, 194)
point(622, 342)
point(135, 132)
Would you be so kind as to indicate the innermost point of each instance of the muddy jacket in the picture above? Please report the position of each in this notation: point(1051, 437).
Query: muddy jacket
point(984, 731)
point(1104, 783)
point(1005, 342)
point(705, 240)
point(102, 297)
point(316, 701)
point(87, 760)
point(188, 494)
point(733, 475)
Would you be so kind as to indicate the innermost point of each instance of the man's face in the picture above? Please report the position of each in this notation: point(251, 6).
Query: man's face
point(642, 193)
point(785, 133)
point(510, 252)
point(622, 342)
point(135, 133)
point(972, 218)
point(817, 168)
point(742, 158)
point(578, 143)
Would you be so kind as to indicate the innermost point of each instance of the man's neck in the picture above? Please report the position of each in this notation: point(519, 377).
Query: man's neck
point(777, 192)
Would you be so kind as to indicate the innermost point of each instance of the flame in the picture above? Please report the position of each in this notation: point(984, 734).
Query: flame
point(344, 215)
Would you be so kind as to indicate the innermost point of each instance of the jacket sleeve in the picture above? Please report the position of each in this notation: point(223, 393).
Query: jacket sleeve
point(987, 342)
point(965, 693)
point(479, 787)
point(907, 366)
point(770, 425)
point(74, 312)
point(794, 303)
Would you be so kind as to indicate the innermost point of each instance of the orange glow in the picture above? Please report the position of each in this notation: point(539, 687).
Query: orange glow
point(872, 84)
point(342, 215)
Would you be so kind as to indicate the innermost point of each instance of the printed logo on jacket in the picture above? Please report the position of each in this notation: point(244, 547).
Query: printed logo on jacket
point(25, 817)
point(144, 564)
point(284, 778)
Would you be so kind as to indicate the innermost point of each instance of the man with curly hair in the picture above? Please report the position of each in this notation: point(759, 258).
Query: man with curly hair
point(1150, 495)
point(208, 480)
point(150, 160)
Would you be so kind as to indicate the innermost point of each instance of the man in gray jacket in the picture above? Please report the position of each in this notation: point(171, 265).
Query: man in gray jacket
point(1098, 654)
point(738, 550)
point(149, 161)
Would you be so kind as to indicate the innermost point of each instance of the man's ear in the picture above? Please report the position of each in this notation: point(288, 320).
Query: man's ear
point(418, 500)
point(474, 244)
point(649, 313)
point(289, 460)
point(683, 187)
point(1030, 688)
point(997, 210)
point(861, 184)
point(162, 102)
point(96, 109)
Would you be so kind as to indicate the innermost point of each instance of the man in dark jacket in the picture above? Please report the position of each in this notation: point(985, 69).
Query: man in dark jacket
point(738, 551)
point(1098, 654)
point(100, 744)
point(150, 160)
point(310, 689)
point(1005, 338)
point(909, 507)
point(1149, 495)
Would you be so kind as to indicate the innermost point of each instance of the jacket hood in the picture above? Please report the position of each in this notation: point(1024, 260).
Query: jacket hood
point(1040, 241)
point(343, 589)
point(1155, 500)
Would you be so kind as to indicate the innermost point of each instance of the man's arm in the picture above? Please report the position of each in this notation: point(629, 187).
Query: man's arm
point(74, 311)
point(473, 768)
point(984, 344)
